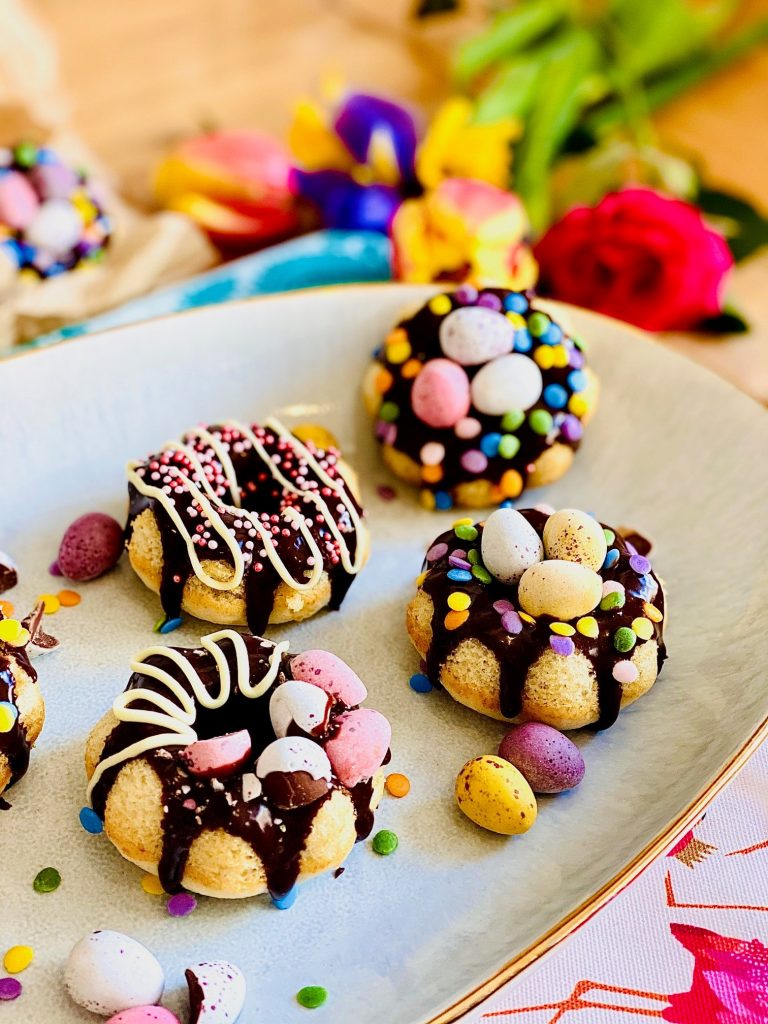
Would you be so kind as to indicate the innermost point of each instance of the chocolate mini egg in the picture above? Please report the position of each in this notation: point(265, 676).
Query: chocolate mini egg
point(107, 972)
point(493, 794)
point(574, 536)
point(441, 394)
point(564, 590)
point(509, 545)
point(302, 703)
point(474, 334)
point(510, 382)
point(549, 761)
point(216, 992)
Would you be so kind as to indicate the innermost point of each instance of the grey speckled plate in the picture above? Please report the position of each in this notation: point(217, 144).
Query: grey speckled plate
point(673, 451)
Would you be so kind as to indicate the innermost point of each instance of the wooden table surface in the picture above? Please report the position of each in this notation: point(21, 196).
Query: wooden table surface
point(145, 73)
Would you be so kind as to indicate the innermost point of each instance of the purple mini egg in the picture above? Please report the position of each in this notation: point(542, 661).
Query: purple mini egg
point(91, 546)
point(549, 761)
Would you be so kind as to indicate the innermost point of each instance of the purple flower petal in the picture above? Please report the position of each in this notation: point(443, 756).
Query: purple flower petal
point(360, 115)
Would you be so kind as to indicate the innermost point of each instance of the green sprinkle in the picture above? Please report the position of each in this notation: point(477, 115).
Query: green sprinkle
point(540, 421)
point(614, 599)
point(579, 343)
point(509, 446)
point(25, 154)
point(473, 556)
point(481, 573)
point(466, 532)
point(47, 880)
point(538, 324)
point(389, 412)
point(610, 536)
point(513, 419)
point(385, 842)
point(311, 996)
point(624, 639)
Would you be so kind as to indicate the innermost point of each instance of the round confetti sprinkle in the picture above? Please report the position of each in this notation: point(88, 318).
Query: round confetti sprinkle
point(18, 959)
point(624, 639)
point(10, 989)
point(411, 369)
point(386, 493)
point(389, 411)
point(91, 822)
point(466, 294)
point(640, 564)
point(509, 446)
point(436, 552)
point(466, 531)
point(474, 461)
point(578, 405)
point(523, 342)
point(312, 996)
point(571, 428)
point(384, 380)
point(459, 602)
point(613, 599)
point(517, 321)
point(554, 335)
point(587, 626)
point(50, 602)
point(385, 842)
point(464, 521)
point(473, 556)
point(538, 324)
point(653, 612)
point(10, 630)
point(420, 683)
point(181, 904)
point(490, 301)
point(432, 453)
point(7, 609)
point(577, 380)
point(481, 573)
point(643, 628)
point(555, 396)
point(421, 577)
point(287, 901)
point(398, 785)
point(489, 445)
point(467, 428)
point(562, 645)
point(611, 558)
point(560, 357)
point(511, 621)
point(167, 625)
point(443, 500)
point(562, 628)
point(47, 880)
point(431, 474)
point(68, 598)
point(152, 886)
point(540, 421)
point(502, 606)
point(625, 672)
point(459, 575)
point(527, 618)
point(458, 562)
point(453, 620)
point(440, 305)
point(8, 715)
point(513, 419)
point(398, 348)
point(517, 302)
point(54, 569)
point(543, 357)
point(610, 536)
point(511, 484)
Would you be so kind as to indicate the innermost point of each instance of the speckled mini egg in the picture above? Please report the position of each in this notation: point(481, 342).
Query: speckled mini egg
point(494, 794)
point(574, 536)
point(509, 382)
point(107, 972)
point(91, 546)
point(548, 760)
point(216, 992)
point(144, 1015)
point(441, 393)
point(509, 545)
point(564, 590)
point(474, 334)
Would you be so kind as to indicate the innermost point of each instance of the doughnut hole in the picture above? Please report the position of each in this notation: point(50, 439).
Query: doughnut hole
point(31, 708)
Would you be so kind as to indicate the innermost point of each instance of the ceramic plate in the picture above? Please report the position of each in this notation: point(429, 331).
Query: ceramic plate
point(673, 451)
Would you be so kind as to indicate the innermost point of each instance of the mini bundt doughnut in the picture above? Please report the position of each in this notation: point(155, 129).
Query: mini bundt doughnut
point(245, 524)
point(22, 708)
point(479, 395)
point(233, 768)
point(529, 615)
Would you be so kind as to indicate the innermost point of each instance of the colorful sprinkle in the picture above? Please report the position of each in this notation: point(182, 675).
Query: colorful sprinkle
point(8, 715)
point(18, 959)
point(68, 598)
point(466, 531)
point(473, 556)
point(152, 885)
point(420, 683)
point(459, 575)
point(502, 606)
point(489, 444)
point(389, 411)
point(640, 564)
point(384, 380)
point(467, 428)
point(511, 622)
point(543, 357)
point(386, 493)
point(50, 602)
point(540, 421)
point(538, 324)
point(91, 822)
point(560, 356)
point(578, 405)
point(10, 989)
point(511, 484)
point(384, 842)
point(420, 578)
point(562, 645)
point(624, 639)
point(440, 305)
point(474, 461)
point(571, 428)
point(610, 536)
point(443, 500)
point(431, 474)
point(55, 569)
point(453, 620)
point(10, 631)
point(554, 335)
point(587, 626)
point(458, 601)
point(398, 348)
point(466, 294)
point(47, 880)
point(555, 396)
point(397, 785)
point(652, 612)
point(527, 618)
point(625, 672)
point(432, 453)
point(509, 446)
point(611, 558)
point(613, 599)
point(562, 628)
point(517, 321)
point(643, 628)
point(436, 552)
point(517, 302)
point(458, 562)
point(490, 301)
point(523, 341)
point(481, 573)
point(287, 901)
point(6, 608)
point(512, 419)
point(181, 904)
point(577, 380)
point(167, 625)
point(312, 996)
point(411, 369)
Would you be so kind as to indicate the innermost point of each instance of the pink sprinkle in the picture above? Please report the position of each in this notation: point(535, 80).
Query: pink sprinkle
point(10, 988)
point(625, 672)
point(562, 645)
point(503, 606)
point(467, 428)
point(512, 622)
point(189, 804)
point(182, 904)
point(436, 552)
point(474, 461)
point(54, 570)
point(386, 493)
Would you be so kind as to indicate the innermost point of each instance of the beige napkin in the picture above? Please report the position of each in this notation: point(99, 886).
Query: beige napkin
point(145, 251)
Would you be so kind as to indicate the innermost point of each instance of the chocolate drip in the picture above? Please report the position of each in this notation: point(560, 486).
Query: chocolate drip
point(516, 653)
point(193, 804)
point(8, 576)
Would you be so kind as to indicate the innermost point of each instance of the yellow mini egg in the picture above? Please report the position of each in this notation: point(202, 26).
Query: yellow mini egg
point(493, 794)
point(317, 434)
point(574, 536)
point(564, 590)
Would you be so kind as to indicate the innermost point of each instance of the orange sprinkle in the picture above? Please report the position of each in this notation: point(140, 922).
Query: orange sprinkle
point(68, 598)
point(384, 380)
point(411, 369)
point(6, 607)
point(455, 619)
point(398, 785)
point(511, 483)
point(431, 474)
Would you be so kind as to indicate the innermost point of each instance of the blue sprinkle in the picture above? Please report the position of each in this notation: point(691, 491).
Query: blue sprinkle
point(523, 341)
point(507, 503)
point(577, 380)
point(443, 500)
point(287, 901)
point(420, 683)
point(644, 589)
point(167, 625)
point(555, 396)
point(611, 558)
point(460, 575)
point(553, 336)
point(516, 303)
point(91, 822)
point(489, 445)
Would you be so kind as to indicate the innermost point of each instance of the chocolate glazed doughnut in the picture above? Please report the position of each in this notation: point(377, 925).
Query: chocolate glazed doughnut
point(22, 708)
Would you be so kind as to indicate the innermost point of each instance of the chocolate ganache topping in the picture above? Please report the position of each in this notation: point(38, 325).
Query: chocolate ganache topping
point(255, 497)
point(8, 574)
point(177, 697)
point(632, 596)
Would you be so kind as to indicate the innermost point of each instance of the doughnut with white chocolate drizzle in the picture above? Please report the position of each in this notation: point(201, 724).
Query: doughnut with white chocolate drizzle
point(273, 508)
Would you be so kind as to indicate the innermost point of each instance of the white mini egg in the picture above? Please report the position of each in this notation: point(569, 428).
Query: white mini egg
point(216, 992)
point(474, 334)
point(510, 382)
point(564, 590)
point(509, 545)
point(57, 227)
point(575, 536)
point(303, 703)
point(294, 754)
point(107, 972)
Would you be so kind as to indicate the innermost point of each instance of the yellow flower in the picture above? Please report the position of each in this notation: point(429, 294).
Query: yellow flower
point(455, 147)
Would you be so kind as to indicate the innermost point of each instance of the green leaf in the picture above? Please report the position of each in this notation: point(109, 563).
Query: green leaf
point(745, 228)
point(729, 321)
point(511, 91)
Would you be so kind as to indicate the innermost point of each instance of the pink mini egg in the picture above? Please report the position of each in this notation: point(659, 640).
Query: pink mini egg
point(440, 395)
point(18, 201)
point(219, 756)
point(360, 745)
point(144, 1015)
point(331, 674)
point(91, 546)
point(548, 760)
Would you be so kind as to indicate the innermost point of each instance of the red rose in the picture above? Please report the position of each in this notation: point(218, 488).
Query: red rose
point(639, 256)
